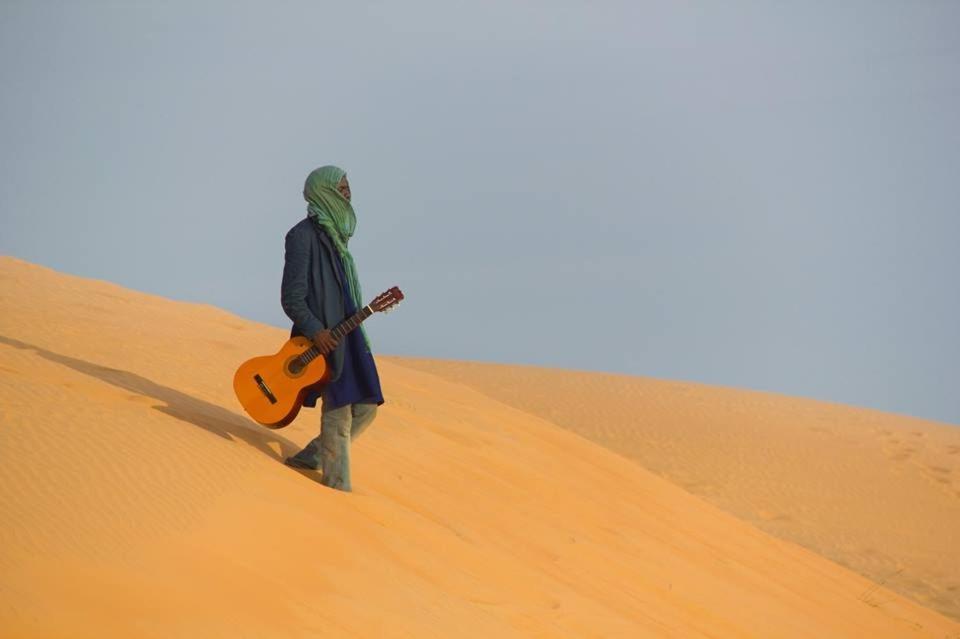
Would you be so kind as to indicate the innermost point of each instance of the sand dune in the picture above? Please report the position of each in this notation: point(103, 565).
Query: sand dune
point(139, 501)
point(873, 491)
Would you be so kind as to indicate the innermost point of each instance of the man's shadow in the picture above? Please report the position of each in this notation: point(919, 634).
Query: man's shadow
point(210, 417)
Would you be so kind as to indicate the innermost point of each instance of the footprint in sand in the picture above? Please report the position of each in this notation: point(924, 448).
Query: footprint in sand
point(694, 486)
point(903, 454)
point(768, 515)
point(939, 474)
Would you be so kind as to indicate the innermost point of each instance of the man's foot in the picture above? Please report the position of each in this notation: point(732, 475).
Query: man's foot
point(293, 462)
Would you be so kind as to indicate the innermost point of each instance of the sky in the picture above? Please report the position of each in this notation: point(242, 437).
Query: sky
point(759, 195)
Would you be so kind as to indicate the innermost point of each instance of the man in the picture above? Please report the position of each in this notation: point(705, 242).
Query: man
point(320, 289)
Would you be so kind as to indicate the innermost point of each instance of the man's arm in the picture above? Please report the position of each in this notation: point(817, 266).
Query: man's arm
point(293, 289)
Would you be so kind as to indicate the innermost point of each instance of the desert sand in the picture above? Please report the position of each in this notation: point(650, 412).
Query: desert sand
point(873, 491)
point(138, 500)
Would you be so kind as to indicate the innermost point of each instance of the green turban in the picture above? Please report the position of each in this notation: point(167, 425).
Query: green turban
point(327, 207)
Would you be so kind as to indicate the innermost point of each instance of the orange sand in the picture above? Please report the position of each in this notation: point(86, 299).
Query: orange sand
point(139, 501)
point(876, 492)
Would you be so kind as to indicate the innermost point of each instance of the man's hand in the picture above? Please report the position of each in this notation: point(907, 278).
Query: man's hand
point(325, 341)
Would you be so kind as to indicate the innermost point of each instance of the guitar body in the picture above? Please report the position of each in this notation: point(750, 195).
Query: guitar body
point(270, 388)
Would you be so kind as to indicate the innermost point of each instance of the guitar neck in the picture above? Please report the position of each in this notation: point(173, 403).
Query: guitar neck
point(351, 322)
point(383, 303)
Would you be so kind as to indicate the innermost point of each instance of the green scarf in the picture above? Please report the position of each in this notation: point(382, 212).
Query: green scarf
point(332, 212)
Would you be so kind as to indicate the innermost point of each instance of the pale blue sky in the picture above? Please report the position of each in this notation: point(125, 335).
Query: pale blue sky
point(755, 194)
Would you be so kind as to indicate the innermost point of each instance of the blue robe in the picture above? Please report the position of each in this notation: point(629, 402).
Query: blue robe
point(311, 291)
point(358, 381)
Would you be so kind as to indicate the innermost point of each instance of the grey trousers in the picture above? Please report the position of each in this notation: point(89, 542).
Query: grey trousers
point(330, 451)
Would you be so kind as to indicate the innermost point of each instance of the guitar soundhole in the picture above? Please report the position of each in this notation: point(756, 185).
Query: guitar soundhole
point(296, 366)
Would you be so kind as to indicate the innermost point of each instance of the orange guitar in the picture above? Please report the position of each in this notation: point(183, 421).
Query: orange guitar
point(271, 388)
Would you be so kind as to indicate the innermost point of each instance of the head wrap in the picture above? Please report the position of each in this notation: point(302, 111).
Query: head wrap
point(332, 212)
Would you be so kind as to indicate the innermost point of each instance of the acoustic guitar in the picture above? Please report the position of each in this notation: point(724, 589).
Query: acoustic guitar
point(271, 388)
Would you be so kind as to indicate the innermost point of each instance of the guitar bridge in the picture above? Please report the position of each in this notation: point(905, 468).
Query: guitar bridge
point(265, 389)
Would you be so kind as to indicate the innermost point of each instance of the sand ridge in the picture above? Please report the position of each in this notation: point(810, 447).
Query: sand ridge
point(874, 491)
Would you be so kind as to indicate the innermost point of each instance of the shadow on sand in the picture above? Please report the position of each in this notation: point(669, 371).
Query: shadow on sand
point(210, 417)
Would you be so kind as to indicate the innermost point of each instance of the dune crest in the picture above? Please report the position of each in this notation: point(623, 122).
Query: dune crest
point(876, 492)
point(139, 501)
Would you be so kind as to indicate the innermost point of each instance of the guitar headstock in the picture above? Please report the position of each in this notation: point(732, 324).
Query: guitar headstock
point(387, 300)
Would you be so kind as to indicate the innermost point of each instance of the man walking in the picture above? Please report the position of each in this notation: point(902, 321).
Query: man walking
point(320, 288)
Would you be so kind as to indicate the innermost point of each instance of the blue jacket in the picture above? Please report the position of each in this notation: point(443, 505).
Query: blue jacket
point(311, 292)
